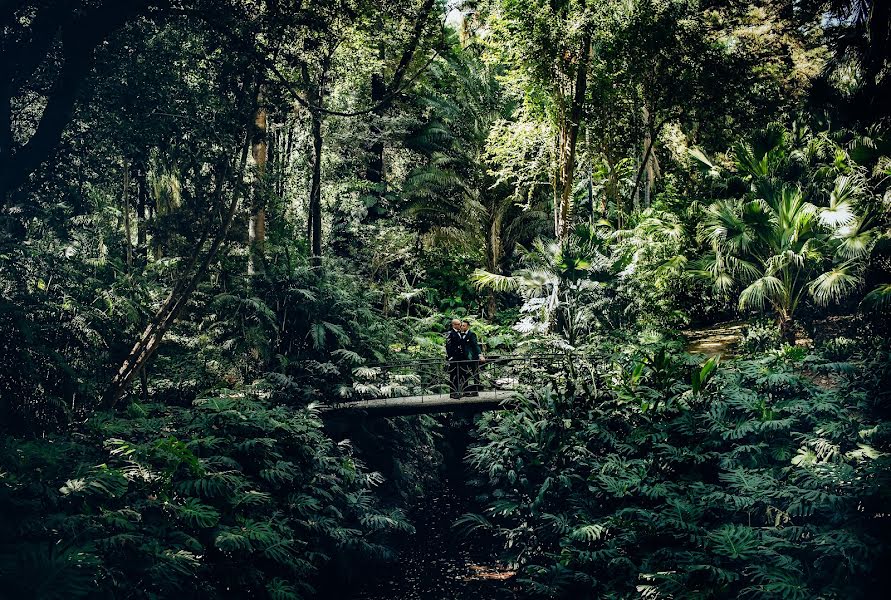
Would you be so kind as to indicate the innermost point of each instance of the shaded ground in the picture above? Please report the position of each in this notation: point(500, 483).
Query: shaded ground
point(437, 563)
point(720, 339)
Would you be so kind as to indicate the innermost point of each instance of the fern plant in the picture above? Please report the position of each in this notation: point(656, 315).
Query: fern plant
point(751, 480)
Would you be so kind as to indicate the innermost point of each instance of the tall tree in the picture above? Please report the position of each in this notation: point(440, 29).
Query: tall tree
point(257, 219)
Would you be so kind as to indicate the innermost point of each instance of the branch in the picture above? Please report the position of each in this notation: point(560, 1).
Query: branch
point(409, 53)
point(260, 55)
point(79, 39)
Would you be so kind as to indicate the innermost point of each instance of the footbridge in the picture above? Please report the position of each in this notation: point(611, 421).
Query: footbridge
point(437, 386)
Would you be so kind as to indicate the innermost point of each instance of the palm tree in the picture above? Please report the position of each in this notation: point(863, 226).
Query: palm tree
point(776, 245)
point(554, 284)
point(462, 203)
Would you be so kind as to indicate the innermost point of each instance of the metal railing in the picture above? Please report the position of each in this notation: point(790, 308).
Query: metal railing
point(495, 378)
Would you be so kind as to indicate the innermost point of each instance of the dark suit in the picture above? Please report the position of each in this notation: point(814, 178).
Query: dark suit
point(471, 346)
point(456, 353)
point(472, 352)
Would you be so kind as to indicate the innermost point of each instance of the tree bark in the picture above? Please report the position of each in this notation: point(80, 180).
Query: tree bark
point(315, 191)
point(494, 255)
point(141, 212)
point(257, 220)
point(652, 132)
point(567, 168)
point(125, 207)
point(375, 168)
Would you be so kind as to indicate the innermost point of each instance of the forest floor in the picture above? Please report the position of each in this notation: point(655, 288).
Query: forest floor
point(718, 339)
point(439, 562)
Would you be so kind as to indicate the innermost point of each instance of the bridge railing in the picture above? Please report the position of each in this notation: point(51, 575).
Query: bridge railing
point(496, 377)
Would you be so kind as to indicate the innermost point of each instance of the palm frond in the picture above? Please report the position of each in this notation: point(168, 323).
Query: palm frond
point(834, 285)
point(764, 290)
point(879, 298)
point(483, 279)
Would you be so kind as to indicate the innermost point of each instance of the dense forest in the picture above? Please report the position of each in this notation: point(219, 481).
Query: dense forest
point(222, 222)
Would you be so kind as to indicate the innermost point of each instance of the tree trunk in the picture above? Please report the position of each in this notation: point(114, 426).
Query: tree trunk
point(286, 159)
point(494, 254)
point(649, 163)
point(193, 274)
point(567, 168)
point(374, 171)
point(257, 221)
point(125, 208)
point(141, 211)
point(80, 34)
point(652, 132)
point(315, 191)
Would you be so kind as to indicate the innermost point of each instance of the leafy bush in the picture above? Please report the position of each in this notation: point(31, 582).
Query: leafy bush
point(761, 336)
point(748, 481)
point(839, 348)
point(235, 494)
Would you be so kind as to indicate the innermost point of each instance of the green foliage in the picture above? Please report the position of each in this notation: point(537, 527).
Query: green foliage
point(249, 492)
point(761, 336)
point(432, 156)
point(750, 481)
point(787, 239)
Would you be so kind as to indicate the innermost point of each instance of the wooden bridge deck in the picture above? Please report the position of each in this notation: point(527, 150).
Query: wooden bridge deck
point(414, 405)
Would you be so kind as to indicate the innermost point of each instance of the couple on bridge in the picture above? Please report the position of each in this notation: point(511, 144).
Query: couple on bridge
point(464, 357)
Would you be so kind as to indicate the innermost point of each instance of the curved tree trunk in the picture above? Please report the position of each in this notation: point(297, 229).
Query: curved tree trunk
point(193, 274)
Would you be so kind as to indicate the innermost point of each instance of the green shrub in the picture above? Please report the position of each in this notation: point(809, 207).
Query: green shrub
point(235, 494)
point(761, 336)
point(747, 480)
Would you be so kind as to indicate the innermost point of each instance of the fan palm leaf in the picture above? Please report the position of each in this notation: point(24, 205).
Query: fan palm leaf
point(840, 211)
point(855, 240)
point(834, 285)
point(764, 290)
point(879, 298)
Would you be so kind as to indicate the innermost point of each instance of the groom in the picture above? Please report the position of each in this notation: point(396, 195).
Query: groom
point(473, 356)
point(456, 354)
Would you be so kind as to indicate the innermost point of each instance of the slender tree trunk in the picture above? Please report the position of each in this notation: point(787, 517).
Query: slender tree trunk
point(494, 254)
point(315, 191)
point(316, 97)
point(649, 163)
point(557, 185)
point(567, 174)
point(374, 171)
point(193, 274)
point(635, 192)
point(652, 132)
point(125, 208)
point(141, 211)
point(257, 221)
point(286, 159)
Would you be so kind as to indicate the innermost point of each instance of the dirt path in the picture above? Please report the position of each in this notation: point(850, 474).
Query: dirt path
point(718, 339)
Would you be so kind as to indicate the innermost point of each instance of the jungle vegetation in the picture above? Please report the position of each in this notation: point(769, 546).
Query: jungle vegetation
point(216, 218)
